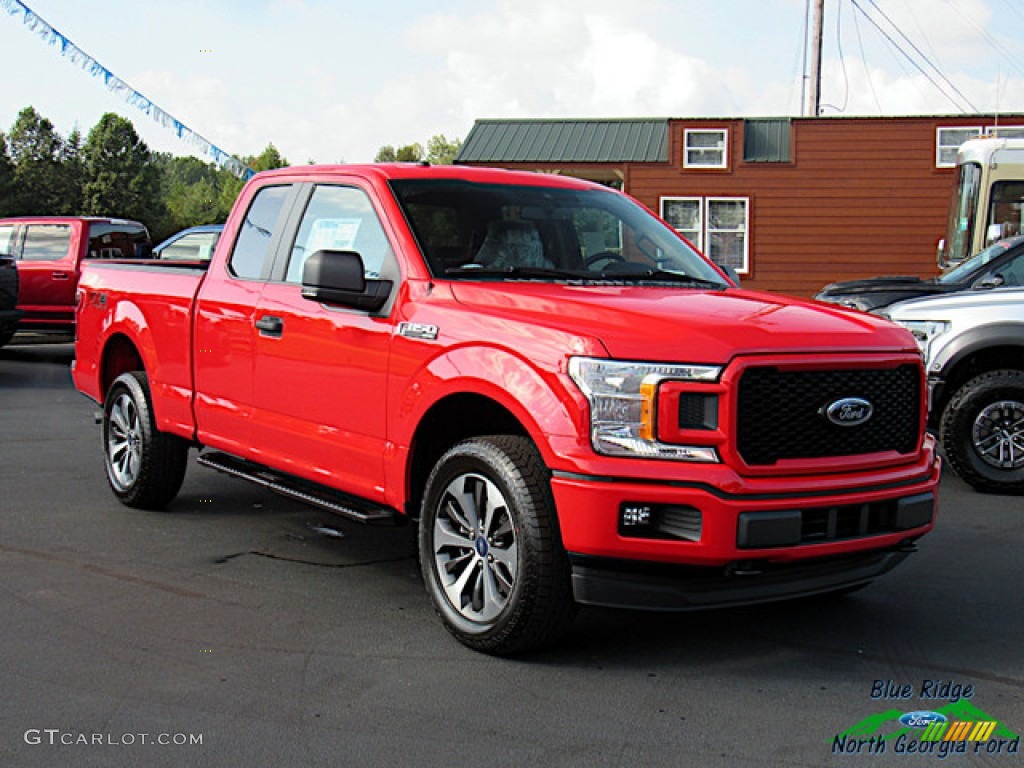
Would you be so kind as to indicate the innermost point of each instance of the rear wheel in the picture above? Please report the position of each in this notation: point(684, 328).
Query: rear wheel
point(6, 336)
point(490, 551)
point(982, 431)
point(145, 467)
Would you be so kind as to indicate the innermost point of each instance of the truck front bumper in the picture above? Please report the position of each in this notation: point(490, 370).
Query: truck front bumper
point(678, 545)
point(660, 587)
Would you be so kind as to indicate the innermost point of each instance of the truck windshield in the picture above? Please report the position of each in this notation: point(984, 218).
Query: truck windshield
point(468, 230)
point(965, 269)
point(963, 214)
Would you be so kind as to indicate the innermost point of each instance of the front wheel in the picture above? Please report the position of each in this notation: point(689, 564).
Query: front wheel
point(982, 431)
point(145, 467)
point(490, 550)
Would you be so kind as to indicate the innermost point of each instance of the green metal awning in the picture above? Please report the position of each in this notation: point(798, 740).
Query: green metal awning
point(566, 141)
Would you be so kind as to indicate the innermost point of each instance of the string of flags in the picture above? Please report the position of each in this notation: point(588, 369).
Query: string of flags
point(119, 87)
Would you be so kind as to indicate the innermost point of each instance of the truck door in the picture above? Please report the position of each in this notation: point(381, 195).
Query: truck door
point(321, 372)
point(225, 323)
point(48, 273)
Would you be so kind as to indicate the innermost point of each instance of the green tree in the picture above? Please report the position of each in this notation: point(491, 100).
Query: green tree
point(42, 183)
point(410, 153)
point(267, 160)
point(119, 175)
point(190, 190)
point(441, 151)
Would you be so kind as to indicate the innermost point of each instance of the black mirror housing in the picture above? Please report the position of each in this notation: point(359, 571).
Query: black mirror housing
point(339, 277)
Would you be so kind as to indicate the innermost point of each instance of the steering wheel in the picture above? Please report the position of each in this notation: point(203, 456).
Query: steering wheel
point(602, 256)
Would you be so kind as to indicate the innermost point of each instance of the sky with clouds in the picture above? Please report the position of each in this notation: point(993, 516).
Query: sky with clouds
point(333, 80)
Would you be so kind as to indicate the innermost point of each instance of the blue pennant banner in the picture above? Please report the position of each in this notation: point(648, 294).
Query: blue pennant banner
point(118, 86)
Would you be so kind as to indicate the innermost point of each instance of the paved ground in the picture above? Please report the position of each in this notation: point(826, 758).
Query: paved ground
point(280, 636)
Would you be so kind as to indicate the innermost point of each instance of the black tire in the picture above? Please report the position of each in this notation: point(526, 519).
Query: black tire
point(982, 432)
point(500, 581)
point(145, 467)
point(6, 336)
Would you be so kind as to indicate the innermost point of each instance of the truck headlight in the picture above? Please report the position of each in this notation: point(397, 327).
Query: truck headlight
point(623, 406)
point(925, 331)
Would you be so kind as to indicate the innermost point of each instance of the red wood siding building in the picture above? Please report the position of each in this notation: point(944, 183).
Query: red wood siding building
point(792, 203)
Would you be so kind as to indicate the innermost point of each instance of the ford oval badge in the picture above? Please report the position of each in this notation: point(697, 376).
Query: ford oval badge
point(922, 719)
point(849, 411)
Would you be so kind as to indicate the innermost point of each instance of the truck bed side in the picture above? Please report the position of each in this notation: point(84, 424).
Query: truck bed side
point(134, 316)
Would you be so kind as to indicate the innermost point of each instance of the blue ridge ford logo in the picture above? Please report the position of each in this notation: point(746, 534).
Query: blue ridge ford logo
point(848, 411)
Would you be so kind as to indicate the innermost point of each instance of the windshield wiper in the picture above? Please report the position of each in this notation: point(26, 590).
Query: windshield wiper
point(665, 275)
point(521, 273)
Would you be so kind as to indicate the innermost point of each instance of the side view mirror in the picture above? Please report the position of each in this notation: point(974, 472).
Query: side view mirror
point(339, 277)
point(989, 281)
point(144, 250)
point(732, 274)
point(940, 254)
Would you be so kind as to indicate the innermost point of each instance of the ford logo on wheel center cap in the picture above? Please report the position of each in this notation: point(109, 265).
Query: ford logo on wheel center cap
point(849, 411)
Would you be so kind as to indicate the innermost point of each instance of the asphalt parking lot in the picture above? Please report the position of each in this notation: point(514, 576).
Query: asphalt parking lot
point(242, 629)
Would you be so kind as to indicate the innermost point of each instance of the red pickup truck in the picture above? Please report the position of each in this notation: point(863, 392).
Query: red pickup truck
point(574, 404)
point(50, 252)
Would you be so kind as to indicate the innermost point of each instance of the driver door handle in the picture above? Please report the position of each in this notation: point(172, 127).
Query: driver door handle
point(269, 325)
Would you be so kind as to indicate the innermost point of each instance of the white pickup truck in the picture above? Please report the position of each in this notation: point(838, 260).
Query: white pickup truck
point(973, 343)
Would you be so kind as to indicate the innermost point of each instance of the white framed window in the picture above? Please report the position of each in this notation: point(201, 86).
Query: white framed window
point(705, 148)
point(948, 141)
point(1005, 131)
point(686, 216)
point(728, 220)
point(718, 226)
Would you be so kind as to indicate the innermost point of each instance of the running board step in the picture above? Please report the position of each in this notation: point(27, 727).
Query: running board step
point(297, 488)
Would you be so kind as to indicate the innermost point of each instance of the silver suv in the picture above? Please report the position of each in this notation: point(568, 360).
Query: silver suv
point(973, 345)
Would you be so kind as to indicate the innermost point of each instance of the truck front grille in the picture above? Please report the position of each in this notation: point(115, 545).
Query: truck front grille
point(782, 413)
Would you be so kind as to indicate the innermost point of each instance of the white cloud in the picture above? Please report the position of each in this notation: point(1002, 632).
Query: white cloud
point(340, 80)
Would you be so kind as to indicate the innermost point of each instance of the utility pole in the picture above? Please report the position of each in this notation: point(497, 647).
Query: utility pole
point(814, 107)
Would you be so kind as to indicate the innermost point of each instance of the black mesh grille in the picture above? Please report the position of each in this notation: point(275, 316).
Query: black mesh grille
point(781, 413)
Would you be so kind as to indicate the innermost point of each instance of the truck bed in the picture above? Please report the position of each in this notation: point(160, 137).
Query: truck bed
point(156, 299)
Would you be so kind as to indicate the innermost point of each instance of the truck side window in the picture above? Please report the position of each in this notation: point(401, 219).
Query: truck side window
point(46, 242)
point(339, 219)
point(7, 240)
point(251, 257)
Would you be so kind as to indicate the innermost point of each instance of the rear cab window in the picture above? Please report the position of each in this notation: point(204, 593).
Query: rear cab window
point(116, 240)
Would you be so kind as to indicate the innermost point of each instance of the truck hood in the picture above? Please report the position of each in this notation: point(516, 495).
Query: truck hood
point(868, 284)
point(672, 324)
point(996, 302)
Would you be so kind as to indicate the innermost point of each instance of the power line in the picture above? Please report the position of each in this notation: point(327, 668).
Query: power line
point(923, 57)
point(910, 59)
point(984, 33)
point(864, 61)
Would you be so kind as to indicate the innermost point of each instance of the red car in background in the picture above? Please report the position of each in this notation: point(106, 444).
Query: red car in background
point(50, 250)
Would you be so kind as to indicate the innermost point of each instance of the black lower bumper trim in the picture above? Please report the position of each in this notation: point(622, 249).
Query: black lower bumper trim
point(657, 587)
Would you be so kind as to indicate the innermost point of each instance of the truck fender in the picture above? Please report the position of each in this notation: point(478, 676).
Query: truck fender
point(974, 340)
point(542, 402)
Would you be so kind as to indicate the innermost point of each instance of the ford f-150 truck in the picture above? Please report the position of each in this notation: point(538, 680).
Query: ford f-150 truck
point(574, 405)
point(50, 251)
